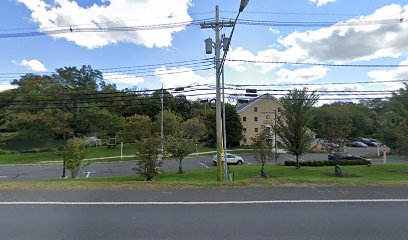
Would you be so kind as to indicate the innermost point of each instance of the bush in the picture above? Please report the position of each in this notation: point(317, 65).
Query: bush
point(328, 163)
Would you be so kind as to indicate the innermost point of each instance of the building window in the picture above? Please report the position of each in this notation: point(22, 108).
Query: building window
point(256, 129)
point(262, 126)
point(255, 109)
point(244, 129)
point(244, 140)
point(244, 119)
point(256, 119)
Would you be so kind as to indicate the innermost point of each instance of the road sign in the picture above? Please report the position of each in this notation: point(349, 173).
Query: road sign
point(384, 148)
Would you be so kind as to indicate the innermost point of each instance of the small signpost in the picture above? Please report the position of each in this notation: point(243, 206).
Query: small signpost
point(384, 150)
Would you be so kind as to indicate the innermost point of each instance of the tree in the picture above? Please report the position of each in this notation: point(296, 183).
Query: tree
point(179, 147)
point(337, 130)
point(194, 128)
point(148, 163)
point(263, 149)
point(171, 123)
point(394, 121)
point(134, 128)
point(291, 124)
point(233, 125)
point(73, 154)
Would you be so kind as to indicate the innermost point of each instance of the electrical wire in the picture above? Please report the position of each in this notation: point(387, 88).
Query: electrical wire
point(321, 64)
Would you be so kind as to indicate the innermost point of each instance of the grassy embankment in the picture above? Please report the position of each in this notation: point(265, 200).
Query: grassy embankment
point(245, 176)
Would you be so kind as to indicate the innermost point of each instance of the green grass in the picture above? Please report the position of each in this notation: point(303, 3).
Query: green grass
point(245, 176)
point(395, 174)
point(103, 151)
point(95, 152)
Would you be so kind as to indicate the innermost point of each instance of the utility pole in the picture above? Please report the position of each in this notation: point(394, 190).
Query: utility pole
point(161, 125)
point(64, 137)
point(217, 25)
point(276, 143)
point(224, 130)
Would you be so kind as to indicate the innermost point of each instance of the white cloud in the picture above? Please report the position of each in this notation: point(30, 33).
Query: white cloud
point(122, 13)
point(238, 53)
point(302, 75)
point(6, 86)
point(178, 77)
point(321, 2)
point(340, 44)
point(123, 78)
point(343, 87)
point(32, 65)
point(400, 73)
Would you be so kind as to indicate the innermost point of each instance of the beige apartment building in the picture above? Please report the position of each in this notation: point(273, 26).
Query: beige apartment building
point(257, 115)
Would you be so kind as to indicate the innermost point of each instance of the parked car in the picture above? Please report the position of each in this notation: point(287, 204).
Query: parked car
point(345, 156)
point(372, 144)
point(358, 144)
point(332, 145)
point(93, 141)
point(231, 159)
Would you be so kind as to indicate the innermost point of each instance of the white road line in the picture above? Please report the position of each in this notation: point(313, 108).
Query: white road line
point(204, 165)
point(211, 203)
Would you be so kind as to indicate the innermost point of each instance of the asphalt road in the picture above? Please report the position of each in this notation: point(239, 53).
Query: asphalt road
point(335, 213)
point(54, 171)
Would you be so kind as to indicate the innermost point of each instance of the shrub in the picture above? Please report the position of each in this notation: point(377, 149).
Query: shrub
point(328, 163)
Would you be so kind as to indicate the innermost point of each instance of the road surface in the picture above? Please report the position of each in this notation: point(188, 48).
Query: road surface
point(363, 213)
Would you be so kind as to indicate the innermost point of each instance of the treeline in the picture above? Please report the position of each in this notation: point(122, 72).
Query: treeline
point(80, 103)
point(385, 120)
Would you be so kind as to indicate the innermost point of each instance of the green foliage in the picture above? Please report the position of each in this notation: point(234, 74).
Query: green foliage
point(148, 163)
point(291, 124)
point(263, 149)
point(394, 121)
point(171, 123)
point(73, 154)
point(134, 128)
point(358, 118)
point(233, 123)
point(328, 163)
point(194, 128)
point(179, 147)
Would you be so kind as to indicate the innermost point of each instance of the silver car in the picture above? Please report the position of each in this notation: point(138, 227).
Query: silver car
point(231, 159)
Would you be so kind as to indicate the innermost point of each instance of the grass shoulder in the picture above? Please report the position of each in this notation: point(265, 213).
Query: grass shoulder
point(246, 176)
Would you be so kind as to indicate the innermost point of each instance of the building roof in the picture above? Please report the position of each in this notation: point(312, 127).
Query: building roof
point(252, 102)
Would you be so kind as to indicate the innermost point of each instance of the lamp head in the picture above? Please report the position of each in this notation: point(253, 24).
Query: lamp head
point(243, 5)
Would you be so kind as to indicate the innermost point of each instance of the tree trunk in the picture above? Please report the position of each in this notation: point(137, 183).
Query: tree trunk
point(180, 171)
point(337, 169)
point(263, 174)
point(297, 162)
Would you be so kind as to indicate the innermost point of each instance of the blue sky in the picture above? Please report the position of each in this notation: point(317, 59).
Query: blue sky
point(365, 44)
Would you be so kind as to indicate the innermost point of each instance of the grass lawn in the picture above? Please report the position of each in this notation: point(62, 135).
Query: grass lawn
point(103, 151)
point(245, 176)
point(97, 152)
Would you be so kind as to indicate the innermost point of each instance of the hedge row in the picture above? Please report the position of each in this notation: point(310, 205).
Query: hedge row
point(328, 163)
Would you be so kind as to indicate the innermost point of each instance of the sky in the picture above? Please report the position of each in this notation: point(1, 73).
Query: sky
point(353, 32)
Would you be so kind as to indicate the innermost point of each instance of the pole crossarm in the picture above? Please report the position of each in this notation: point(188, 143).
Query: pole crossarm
point(213, 25)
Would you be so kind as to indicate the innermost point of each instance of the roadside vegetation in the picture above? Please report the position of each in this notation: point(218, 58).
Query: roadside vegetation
point(245, 176)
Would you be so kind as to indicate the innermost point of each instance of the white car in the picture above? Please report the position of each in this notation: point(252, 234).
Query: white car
point(231, 159)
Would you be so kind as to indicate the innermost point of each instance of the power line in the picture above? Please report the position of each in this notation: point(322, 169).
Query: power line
point(296, 13)
point(319, 24)
point(321, 64)
point(73, 29)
